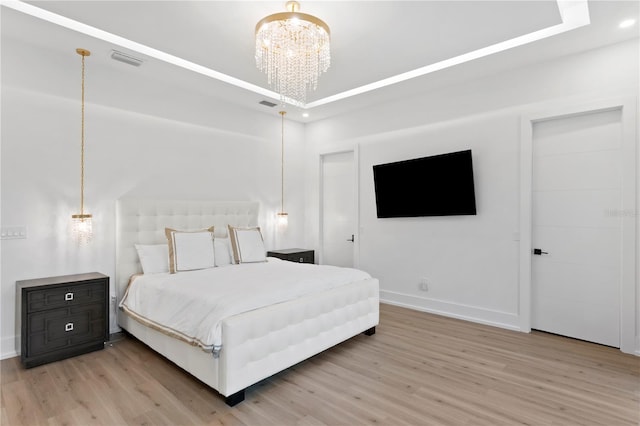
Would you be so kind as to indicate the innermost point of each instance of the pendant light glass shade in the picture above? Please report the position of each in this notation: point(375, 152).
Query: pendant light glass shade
point(282, 218)
point(82, 228)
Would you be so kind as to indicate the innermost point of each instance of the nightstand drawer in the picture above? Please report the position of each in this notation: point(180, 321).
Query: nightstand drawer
point(294, 255)
point(63, 328)
point(302, 257)
point(57, 297)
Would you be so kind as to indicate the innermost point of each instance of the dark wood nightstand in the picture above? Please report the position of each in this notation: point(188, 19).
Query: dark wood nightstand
point(294, 255)
point(62, 316)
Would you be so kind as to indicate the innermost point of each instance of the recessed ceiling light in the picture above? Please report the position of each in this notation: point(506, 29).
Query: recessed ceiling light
point(627, 23)
point(305, 114)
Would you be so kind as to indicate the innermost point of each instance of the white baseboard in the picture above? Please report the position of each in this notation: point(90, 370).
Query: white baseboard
point(453, 310)
point(8, 348)
point(505, 320)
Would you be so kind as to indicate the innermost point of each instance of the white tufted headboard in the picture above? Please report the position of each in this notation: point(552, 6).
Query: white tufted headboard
point(142, 221)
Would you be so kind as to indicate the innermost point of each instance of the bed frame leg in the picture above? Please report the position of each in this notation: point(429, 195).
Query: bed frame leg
point(235, 398)
point(370, 332)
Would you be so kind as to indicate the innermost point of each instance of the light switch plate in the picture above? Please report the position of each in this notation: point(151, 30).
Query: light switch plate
point(13, 232)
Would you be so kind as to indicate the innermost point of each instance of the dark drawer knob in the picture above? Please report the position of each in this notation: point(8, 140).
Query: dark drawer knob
point(68, 296)
point(68, 326)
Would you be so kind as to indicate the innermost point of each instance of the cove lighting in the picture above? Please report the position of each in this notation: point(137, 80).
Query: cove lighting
point(573, 13)
point(71, 24)
point(627, 23)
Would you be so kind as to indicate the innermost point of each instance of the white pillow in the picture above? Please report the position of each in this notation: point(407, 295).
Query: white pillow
point(222, 249)
point(154, 258)
point(247, 245)
point(189, 250)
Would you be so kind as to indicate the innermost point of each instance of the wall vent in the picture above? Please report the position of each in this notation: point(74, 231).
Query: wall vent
point(267, 103)
point(127, 59)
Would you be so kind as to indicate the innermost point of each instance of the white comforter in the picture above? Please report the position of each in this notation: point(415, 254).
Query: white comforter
point(191, 305)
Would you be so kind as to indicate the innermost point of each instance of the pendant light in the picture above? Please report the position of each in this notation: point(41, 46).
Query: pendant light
point(82, 228)
point(282, 216)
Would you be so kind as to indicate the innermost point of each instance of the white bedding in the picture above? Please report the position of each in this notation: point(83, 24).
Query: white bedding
point(191, 305)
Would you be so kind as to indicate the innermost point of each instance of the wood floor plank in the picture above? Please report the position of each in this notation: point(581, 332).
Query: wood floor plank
point(10, 370)
point(341, 406)
point(21, 405)
point(418, 369)
point(44, 389)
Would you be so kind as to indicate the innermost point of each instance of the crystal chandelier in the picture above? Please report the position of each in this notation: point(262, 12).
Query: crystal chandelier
point(81, 223)
point(293, 49)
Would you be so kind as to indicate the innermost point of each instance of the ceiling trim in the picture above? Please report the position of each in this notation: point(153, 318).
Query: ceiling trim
point(80, 27)
point(573, 13)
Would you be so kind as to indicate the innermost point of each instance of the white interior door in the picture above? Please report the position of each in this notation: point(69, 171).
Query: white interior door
point(338, 209)
point(577, 188)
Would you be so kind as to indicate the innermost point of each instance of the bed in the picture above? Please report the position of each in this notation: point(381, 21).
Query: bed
point(249, 343)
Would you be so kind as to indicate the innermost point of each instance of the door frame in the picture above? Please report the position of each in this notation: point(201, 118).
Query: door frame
point(356, 203)
point(628, 287)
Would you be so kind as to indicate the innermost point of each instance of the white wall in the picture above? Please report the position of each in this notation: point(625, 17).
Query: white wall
point(236, 157)
point(231, 153)
point(470, 261)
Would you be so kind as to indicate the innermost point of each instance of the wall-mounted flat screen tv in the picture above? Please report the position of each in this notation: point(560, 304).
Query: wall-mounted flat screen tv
point(438, 185)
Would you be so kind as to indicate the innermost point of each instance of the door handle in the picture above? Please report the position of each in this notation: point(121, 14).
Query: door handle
point(539, 252)
point(351, 239)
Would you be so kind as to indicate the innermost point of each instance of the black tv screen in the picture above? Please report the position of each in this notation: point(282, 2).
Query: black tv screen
point(438, 185)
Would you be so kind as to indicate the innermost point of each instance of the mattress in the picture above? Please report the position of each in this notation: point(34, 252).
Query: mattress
point(191, 305)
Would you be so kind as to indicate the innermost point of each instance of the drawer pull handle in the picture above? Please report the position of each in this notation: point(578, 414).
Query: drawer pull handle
point(68, 296)
point(302, 260)
point(68, 326)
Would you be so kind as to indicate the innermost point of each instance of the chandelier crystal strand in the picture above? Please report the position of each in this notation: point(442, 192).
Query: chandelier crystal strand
point(293, 49)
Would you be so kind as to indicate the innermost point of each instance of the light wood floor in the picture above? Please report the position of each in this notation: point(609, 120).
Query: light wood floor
point(418, 369)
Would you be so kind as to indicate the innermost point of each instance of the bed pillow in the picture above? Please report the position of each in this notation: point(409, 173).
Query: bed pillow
point(190, 250)
point(222, 250)
point(154, 258)
point(247, 245)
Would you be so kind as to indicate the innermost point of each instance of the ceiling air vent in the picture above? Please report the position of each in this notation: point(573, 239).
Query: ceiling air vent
point(127, 59)
point(267, 103)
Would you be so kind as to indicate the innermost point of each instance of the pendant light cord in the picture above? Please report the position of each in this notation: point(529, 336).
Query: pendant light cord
point(82, 144)
point(83, 53)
